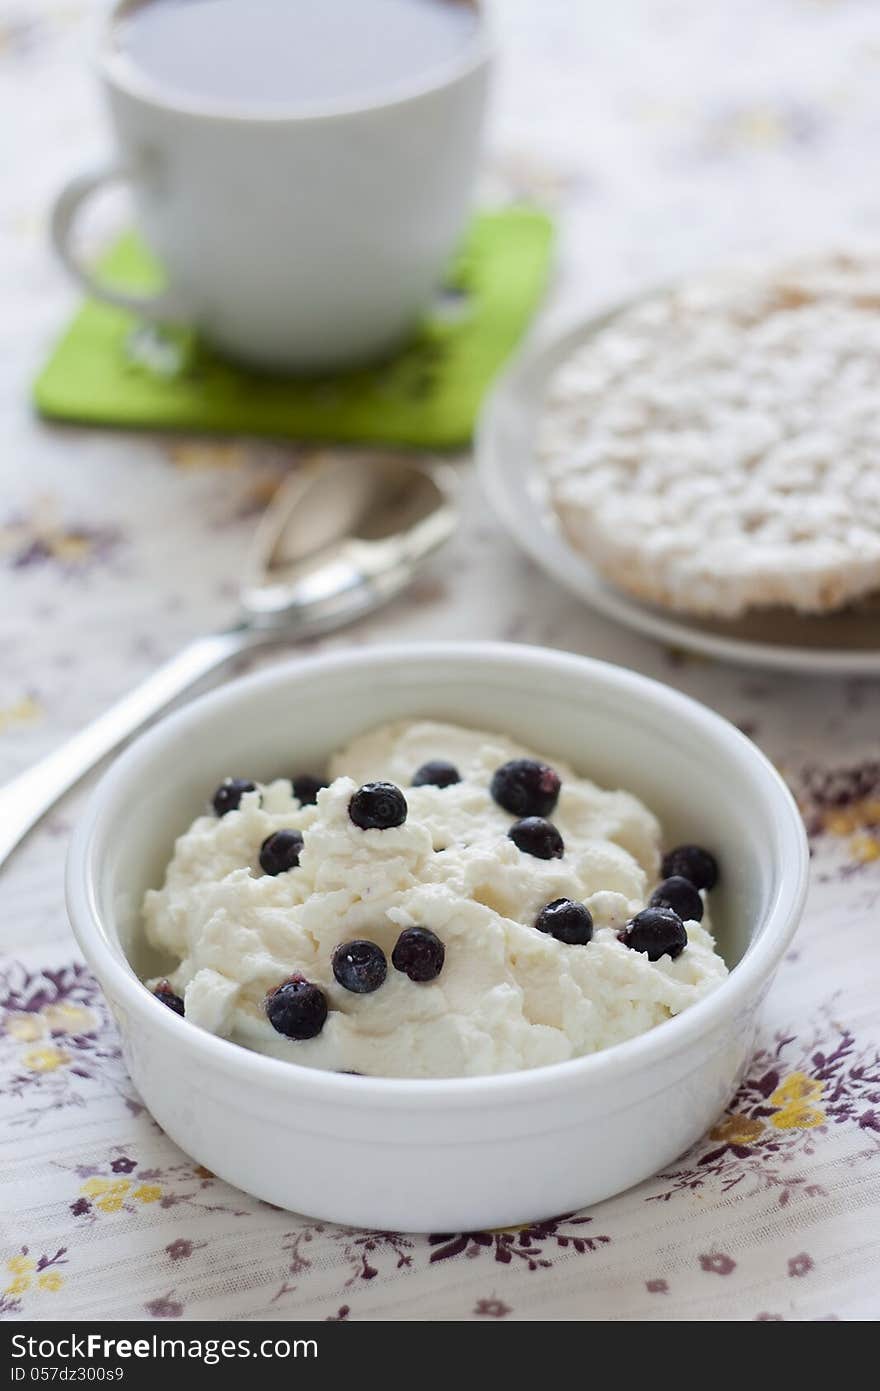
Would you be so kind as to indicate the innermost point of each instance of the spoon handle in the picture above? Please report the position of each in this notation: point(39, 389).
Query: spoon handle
point(30, 795)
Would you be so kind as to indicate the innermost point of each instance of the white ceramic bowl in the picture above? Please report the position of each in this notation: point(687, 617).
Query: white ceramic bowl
point(450, 1154)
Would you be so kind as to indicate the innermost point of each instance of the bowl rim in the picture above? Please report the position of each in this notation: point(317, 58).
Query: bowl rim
point(101, 947)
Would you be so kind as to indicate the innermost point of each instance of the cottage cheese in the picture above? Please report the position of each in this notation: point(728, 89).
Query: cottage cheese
point(714, 448)
point(508, 997)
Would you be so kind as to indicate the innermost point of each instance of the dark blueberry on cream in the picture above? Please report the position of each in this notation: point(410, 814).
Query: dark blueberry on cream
point(656, 932)
point(360, 966)
point(680, 895)
point(537, 837)
point(691, 862)
point(229, 794)
point(280, 851)
point(297, 1008)
point(306, 789)
point(436, 773)
point(567, 921)
point(525, 787)
point(419, 954)
point(163, 992)
point(378, 806)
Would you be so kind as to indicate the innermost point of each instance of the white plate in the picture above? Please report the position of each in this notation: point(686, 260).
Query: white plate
point(847, 643)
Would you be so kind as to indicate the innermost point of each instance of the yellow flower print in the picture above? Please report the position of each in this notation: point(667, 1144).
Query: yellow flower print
point(68, 1018)
point(72, 547)
point(45, 1059)
point(760, 125)
point(23, 711)
point(147, 1193)
point(864, 848)
point(26, 1028)
point(798, 1117)
point(738, 1130)
point(796, 1087)
point(859, 816)
point(44, 536)
point(21, 1269)
point(795, 1097)
point(189, 455)
point(109, 1193)
point(114, 1199)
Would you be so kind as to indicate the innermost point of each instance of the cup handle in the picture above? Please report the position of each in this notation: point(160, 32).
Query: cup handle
point(162, 307)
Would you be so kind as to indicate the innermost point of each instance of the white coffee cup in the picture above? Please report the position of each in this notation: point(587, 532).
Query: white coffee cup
point(293, 240)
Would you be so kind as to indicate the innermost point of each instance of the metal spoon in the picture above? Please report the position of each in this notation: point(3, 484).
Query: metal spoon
point(342, 536)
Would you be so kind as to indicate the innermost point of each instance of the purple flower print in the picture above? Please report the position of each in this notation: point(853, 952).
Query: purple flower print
point(164, 1308)
point(656, 1287)
point(717, 1263)
point(535, 1244)
point(80, 1207)
point(361, 1248)
point(491, 1309)
point(42, 538)
point(123, 1165)
point(800, 1265)
point(179, 1250)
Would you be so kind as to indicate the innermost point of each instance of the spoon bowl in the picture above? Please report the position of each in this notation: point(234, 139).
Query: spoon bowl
point(343, 535)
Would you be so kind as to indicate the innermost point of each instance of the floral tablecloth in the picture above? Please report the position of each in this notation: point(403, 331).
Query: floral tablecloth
point(666, 133)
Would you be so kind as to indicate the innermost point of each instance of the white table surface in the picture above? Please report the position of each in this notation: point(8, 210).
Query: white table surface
point(666, 134)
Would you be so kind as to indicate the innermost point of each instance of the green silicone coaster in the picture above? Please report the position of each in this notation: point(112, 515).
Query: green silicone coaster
point(109, 370)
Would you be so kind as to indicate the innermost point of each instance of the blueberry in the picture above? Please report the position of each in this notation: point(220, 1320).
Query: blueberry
point(656, 932)
point(306, 789)
point(164, 992)
point(436, 773)
point(419, 954)
point(538, 837)
point(567, 921)
point(297, 1008)
point(378, 806)
point(280, 851)
point(680, 895)
point(693, 863)
point(229, 794)
point(360, 966)
point(525, 788)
